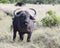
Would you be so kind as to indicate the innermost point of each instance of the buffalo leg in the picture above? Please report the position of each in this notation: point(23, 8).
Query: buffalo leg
point(21, 36)
point(29, 36)
point(14, 34)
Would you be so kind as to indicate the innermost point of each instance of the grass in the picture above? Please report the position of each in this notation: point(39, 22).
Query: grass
point(42, 37)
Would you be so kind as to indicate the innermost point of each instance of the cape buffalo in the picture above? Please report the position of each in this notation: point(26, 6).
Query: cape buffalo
point(23, 22)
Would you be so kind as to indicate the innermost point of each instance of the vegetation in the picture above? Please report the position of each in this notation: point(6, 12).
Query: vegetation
point(31, 1)
point(51, 19)
point(4, 1)
point(43, 37)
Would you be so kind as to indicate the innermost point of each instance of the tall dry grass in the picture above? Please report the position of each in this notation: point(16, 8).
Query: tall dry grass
point(42, 37)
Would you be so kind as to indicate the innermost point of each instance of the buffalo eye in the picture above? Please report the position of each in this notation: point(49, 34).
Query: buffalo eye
point(32, 18)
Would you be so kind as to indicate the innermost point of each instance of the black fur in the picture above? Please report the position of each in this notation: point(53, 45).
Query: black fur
point(24, 24)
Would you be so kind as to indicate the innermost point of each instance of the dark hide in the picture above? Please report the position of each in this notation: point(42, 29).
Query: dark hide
point(24, 24)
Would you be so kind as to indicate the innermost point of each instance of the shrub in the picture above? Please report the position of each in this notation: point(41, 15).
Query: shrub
point(51, 19)
point(4, 1)
point(50, 12)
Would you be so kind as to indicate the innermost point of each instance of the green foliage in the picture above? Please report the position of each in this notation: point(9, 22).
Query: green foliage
point(4, 1)
point(51, 19)
point(31, 1)
point(50, 12)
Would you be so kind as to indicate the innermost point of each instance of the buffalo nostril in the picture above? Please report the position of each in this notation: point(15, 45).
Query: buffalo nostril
point(26, 23)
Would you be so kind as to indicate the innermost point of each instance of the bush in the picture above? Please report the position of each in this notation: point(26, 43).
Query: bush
point(51, 19)
point(4, 1)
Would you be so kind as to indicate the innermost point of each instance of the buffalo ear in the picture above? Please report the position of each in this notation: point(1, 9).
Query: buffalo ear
point(32, 18)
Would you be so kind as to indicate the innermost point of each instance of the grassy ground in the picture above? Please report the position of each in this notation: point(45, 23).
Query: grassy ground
point(42, 37)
